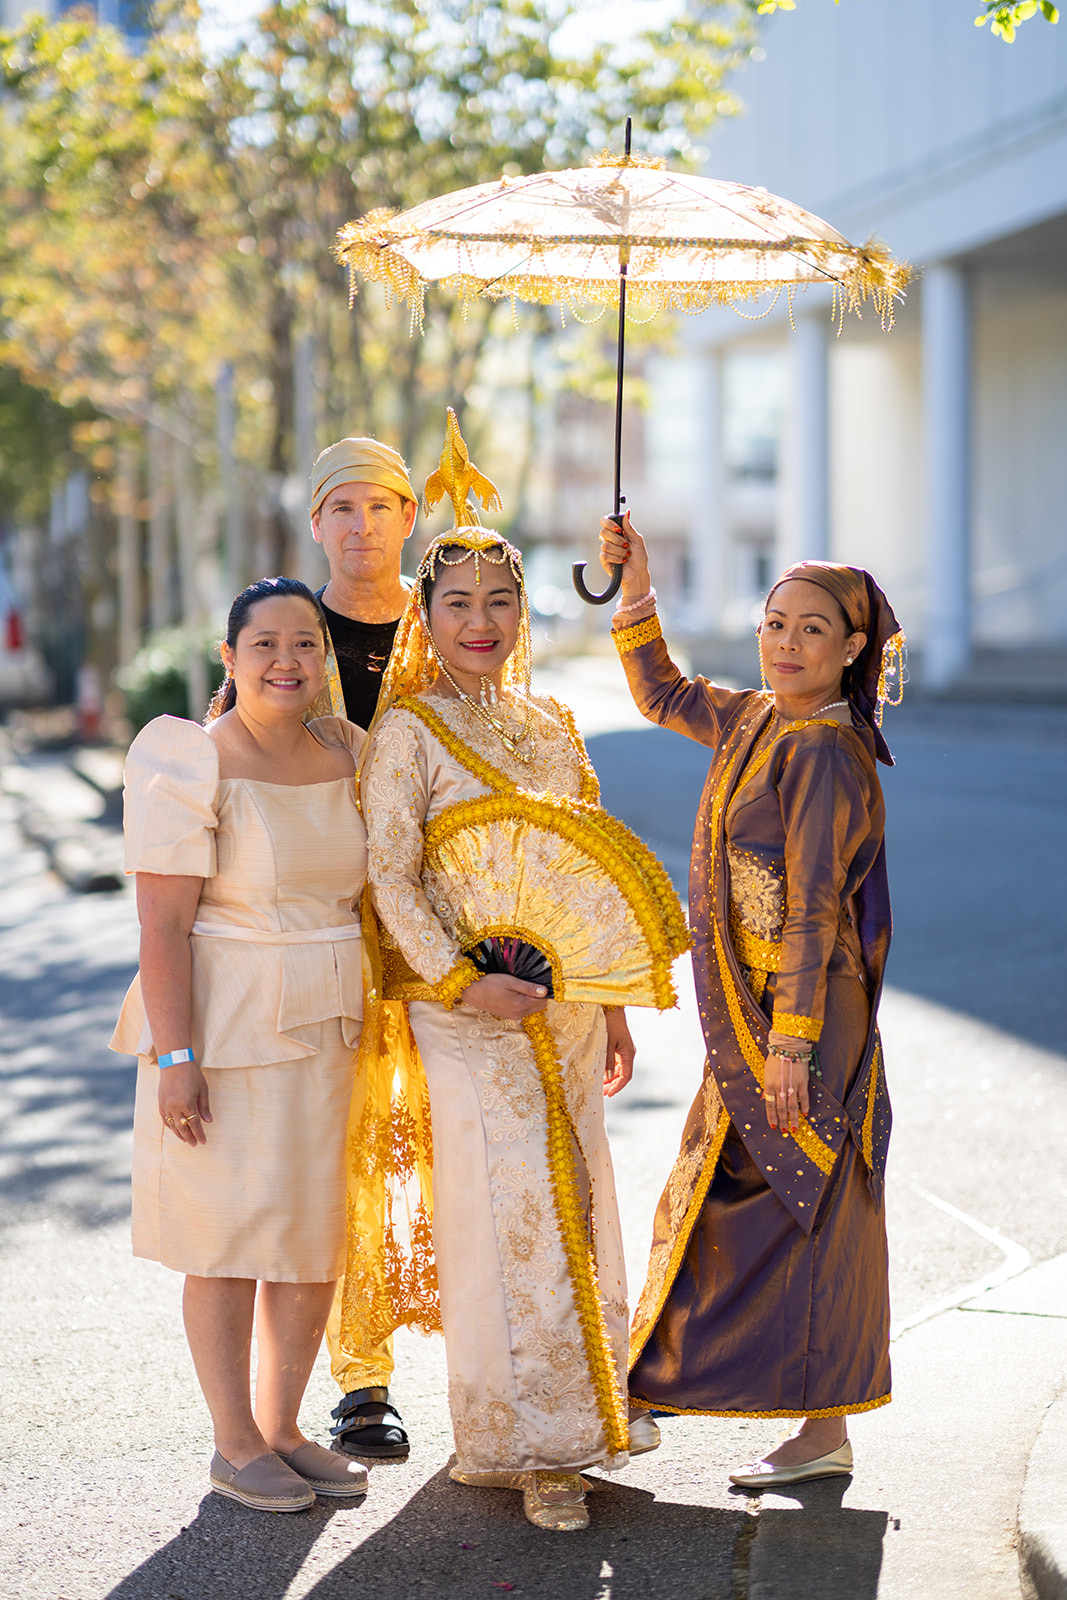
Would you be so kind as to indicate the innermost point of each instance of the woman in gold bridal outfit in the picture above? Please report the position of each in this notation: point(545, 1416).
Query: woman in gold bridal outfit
point(490, 858)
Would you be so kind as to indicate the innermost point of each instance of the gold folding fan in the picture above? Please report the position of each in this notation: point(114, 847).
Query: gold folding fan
point(568, 879)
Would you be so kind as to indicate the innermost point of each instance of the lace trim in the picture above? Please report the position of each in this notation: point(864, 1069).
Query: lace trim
point(826, 1411)
point(661, 1277)
point(574, 1235)
point(448, 990)
point(867, 1135)
point(589, 789)
point(751, 950)
point(799, 1027)
point(627, 639)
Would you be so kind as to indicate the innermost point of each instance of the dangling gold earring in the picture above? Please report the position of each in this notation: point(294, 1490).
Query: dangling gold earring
point(762, 668)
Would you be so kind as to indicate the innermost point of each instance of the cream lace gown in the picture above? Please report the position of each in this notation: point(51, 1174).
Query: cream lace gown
point(277, 996)
point(521, 1391)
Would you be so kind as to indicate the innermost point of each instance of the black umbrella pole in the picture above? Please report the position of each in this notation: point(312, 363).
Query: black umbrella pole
point(578, 568)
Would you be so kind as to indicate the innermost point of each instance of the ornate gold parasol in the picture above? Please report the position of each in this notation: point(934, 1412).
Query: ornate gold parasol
point(623, 226)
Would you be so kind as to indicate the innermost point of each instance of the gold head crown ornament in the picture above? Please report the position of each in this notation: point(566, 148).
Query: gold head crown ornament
point(415, 662)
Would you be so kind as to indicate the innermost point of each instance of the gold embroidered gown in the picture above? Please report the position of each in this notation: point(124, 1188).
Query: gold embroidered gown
point(767, 1290)
point(527, 1388)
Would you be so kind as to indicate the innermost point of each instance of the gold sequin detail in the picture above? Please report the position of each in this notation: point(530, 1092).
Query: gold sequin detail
point(627, 639)
point(867, 1136)
point(686, 1192)
point(452, 985)
point(574, 1234)
point(797, 1027)
point(826, 1411)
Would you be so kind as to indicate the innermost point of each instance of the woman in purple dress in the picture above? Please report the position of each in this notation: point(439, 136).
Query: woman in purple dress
point(767, 1291)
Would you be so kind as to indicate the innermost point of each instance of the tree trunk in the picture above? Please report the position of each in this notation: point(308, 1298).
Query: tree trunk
point(129, 552)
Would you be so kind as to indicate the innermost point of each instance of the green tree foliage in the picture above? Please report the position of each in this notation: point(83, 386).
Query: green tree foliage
point(163, 212)
point(1005, 18)
point(1005, 15)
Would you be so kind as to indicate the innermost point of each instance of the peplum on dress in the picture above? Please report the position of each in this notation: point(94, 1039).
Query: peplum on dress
point(277, 1003)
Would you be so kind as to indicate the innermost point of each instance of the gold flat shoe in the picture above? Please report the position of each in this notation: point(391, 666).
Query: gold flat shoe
point(555, 1500)
point(503, 1480)
point(761, 1475)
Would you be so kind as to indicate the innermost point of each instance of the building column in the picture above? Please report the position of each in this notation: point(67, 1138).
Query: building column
point(804, 528)
point(708, 595)
point(946, 337)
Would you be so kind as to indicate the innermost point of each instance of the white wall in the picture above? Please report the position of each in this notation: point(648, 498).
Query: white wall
point(1020, 465)
point(900, 117)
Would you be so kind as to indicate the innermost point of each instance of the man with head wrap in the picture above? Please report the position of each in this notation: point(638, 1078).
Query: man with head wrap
point(362, 510)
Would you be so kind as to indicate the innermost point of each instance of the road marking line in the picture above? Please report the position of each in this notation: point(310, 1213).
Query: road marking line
point(1016, 1260)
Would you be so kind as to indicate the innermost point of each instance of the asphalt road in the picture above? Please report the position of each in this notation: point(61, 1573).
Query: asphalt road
point(103, 1438)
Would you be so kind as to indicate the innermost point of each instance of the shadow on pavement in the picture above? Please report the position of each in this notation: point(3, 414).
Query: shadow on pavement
point(451, 1543)
point(228, 1553)
point(816, 1548)
point(67, 1100)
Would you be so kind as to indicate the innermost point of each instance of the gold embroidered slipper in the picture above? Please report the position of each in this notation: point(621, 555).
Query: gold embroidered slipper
point(555, 1501)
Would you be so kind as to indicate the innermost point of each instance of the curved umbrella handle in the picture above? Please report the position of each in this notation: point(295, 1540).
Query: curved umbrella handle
point(597, 599)
point(614, 583)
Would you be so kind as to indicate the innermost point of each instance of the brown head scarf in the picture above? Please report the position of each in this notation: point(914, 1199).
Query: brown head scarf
point(876, 677)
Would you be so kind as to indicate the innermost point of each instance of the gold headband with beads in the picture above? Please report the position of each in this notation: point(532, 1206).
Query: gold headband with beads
point(482, 543)
point(413, 661)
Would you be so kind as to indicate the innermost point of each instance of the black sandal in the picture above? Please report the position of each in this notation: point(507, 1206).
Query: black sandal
point(367, 1424)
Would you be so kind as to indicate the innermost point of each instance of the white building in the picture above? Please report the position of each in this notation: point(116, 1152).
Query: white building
point(935, 454)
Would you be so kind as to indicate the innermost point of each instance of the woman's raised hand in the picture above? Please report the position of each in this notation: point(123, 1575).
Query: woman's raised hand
point(510, 999)
point(624, 547)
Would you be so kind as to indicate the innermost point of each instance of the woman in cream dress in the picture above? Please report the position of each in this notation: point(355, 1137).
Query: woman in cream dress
point(535, 1325)
point(250, 858)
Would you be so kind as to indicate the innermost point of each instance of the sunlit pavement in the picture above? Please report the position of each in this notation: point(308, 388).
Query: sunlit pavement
point(103, 1437)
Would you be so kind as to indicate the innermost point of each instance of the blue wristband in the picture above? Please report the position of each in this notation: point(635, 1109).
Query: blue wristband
point(176, 1058)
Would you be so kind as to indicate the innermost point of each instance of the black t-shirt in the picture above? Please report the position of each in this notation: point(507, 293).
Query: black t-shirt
point(362, 650)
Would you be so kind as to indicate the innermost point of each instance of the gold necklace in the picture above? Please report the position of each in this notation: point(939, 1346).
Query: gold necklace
point(510, 741)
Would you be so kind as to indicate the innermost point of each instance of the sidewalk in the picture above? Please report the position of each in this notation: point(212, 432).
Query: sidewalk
point(959, 1484)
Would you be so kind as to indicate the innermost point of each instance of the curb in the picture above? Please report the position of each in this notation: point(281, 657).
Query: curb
point(1043, 1510)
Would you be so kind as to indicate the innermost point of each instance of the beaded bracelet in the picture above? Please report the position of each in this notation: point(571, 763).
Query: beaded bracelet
point(176, 1058)
point(795, 1056)
point(635, 605)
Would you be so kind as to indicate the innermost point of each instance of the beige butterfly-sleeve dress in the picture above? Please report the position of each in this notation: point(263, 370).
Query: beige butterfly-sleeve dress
point(277, 1003)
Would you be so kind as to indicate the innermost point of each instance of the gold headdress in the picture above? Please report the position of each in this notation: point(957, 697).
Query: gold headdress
point(414, 662)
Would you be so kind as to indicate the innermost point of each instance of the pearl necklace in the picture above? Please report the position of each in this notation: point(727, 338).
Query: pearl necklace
point(832, 706)
point(510, 741)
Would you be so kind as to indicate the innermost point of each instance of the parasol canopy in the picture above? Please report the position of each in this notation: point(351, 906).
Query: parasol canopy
point(687, 242)
point(623, 226)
